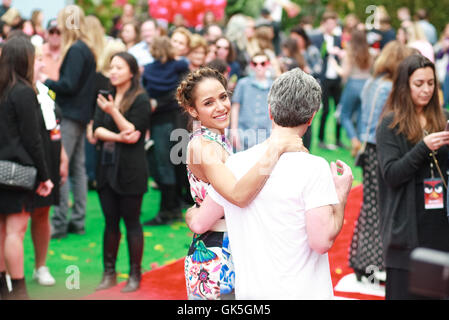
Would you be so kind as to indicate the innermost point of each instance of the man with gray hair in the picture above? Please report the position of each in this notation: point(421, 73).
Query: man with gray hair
point(279, 242)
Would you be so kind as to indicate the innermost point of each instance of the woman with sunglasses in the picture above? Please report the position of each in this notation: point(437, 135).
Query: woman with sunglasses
point(250, 123)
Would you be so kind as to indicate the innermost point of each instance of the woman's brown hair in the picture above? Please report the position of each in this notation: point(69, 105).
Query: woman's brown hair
point(16, 63)
point(359, 50)
point(162, 50)
point(135, 89)
point(389, 59)
point(400, 102)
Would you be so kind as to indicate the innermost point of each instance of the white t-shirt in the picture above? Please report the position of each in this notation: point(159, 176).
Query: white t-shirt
point(331, 73)
point(268, 238)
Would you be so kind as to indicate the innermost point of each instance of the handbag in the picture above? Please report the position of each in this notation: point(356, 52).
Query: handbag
point(361, 155)
point(14, 176)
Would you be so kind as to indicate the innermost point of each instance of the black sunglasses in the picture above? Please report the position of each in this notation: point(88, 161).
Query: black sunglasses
point(54, 31)
point(263, 63)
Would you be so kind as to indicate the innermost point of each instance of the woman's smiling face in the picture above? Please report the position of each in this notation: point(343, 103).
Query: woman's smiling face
point(212, 105)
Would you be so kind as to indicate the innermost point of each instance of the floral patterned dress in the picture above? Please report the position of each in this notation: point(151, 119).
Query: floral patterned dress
point(208, 268)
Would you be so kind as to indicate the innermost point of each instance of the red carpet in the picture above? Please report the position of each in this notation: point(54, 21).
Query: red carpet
point(168, 283)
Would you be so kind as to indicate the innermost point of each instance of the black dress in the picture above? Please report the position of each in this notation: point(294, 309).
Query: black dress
point(52, 145)
point(21, 142)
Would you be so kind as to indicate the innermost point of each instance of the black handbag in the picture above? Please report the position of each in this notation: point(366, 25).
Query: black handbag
point(14, 176)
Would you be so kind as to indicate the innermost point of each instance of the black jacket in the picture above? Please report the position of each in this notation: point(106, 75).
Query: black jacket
point(20, 127)
point(400, 173)
point(75, 89)
point(129, 174)
point(318, 41)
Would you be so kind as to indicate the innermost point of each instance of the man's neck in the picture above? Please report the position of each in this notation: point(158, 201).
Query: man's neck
point(299, 130)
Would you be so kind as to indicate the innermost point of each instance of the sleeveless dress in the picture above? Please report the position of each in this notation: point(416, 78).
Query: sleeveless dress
point(209, 270)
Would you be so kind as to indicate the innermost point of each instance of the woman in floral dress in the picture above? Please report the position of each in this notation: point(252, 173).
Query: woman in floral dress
point(209, 269)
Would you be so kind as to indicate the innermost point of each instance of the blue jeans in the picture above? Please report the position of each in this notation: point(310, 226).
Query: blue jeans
point(351, 104)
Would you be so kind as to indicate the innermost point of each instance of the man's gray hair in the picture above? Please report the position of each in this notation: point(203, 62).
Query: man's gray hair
point(294, 97)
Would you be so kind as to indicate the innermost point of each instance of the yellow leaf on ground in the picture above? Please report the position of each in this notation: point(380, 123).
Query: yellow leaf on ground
point(147, 234)
point(159, 247)
point(92, 245)
point(68, 258)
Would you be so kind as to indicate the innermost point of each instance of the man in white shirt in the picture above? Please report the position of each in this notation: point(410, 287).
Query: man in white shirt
point(141, 50)
point(280, 240)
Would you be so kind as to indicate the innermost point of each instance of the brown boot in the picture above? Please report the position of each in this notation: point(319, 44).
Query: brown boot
point(19, 290)
point(4, 290)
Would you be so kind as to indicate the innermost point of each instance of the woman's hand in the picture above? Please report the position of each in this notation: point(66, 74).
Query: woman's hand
point(286, 141)
point(355, 146)
point(105, 105)
point(129, 136)
point(435, 141)
point(44, 188)
point(90, 133)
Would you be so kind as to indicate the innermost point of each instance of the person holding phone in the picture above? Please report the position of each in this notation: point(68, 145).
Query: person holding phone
point(412, 148)
point(120, 121)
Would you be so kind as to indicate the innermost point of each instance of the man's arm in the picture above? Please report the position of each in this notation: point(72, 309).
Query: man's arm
point(323, 224)
point(200, 220)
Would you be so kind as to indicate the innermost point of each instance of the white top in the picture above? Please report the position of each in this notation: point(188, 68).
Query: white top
point(268, 239)
point(141, 51)
point(331, 73)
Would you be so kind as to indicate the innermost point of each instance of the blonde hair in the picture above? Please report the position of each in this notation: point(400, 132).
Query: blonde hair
point(72, 23)
point(184, 32)
point(390, 58)
point(197, 41)
point(96, 35)
point(112, 47)
point(415, 32)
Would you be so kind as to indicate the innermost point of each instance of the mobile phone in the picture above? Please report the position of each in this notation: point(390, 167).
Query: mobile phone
point(105, 93)
point(447, 126)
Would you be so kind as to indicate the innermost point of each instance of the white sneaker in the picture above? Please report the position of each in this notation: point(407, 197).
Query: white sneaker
point(43, 276)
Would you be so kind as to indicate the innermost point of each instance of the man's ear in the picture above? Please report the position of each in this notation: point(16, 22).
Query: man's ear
point(310, 120)
point(269, 112)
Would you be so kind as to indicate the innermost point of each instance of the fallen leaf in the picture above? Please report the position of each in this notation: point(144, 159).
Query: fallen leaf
point(68, 258)
point(159, 247)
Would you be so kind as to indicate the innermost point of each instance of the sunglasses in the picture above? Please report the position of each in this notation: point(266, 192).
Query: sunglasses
point(226, 48)
point(54, 31)
point(255, 64)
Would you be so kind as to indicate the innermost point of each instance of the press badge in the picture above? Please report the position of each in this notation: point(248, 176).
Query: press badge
point(108, 154)
point(433, 194)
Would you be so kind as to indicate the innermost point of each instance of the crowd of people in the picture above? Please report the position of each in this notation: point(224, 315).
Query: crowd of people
point(97, 109)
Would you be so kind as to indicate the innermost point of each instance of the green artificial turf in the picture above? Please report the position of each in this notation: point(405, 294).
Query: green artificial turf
point(163, 244)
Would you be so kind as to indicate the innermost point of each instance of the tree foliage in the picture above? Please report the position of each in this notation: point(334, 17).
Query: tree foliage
point(438, 10)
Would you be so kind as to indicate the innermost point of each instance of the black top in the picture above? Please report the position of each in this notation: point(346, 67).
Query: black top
point(318, 41)
point(127, 174)
point(161, 80)
point(21, 142)
point(52, 145)
point(404, 222)
point(75, 89)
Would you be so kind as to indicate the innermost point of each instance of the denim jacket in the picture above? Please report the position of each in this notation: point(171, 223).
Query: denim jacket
point(375, 90)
